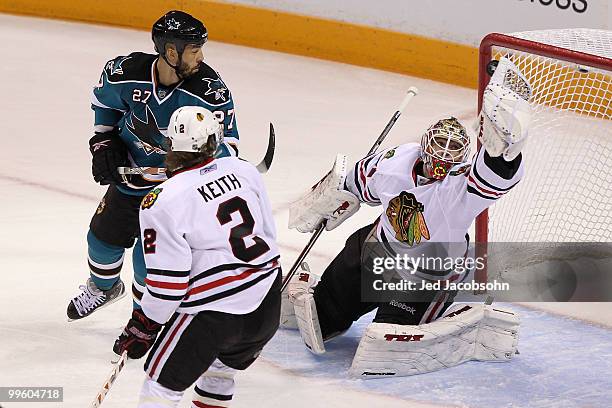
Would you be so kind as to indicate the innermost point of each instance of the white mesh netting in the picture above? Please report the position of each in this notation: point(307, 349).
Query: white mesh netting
point(566, 195)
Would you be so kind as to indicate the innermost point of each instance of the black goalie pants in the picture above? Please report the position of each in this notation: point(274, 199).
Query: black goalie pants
point(339, 301)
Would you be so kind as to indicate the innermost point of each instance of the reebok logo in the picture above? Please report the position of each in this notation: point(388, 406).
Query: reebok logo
point(99, 145)
point(404, 337)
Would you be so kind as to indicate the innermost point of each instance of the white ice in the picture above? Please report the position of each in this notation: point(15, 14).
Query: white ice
point(47, 197)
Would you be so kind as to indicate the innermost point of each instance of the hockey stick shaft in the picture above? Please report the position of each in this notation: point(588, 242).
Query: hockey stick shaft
point(412, 91)
point(112, 376)
point(262, 167)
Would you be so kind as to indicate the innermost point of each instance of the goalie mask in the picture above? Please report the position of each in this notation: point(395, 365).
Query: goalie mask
point(444, 145)
point(194, 129)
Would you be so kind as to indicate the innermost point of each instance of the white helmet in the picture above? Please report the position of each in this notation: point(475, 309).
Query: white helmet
point(194, 129)
point(445, 144)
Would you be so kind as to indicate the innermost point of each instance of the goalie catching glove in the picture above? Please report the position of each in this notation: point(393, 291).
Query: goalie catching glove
point(506, 113)
point(327, 200)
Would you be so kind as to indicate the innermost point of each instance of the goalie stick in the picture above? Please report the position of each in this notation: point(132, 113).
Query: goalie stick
point(262, 167)
point(117, 367)
point(412, 91)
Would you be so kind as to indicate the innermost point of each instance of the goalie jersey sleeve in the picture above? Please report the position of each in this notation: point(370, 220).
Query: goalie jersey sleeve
point(209, 241)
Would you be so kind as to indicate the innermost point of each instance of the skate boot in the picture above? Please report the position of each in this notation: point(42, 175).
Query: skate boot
point(92, 299)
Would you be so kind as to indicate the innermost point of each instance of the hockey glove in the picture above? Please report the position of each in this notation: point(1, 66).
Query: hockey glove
point(108, 153)
point(138, 336)
point(506, 113)
point(327, 200)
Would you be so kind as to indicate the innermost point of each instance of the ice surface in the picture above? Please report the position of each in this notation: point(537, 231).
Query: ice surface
point(318, 108)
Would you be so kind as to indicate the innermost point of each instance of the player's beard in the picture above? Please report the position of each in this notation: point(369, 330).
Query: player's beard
point(185, 72)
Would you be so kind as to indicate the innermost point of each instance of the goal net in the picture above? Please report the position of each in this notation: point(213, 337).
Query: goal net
point(566, 194)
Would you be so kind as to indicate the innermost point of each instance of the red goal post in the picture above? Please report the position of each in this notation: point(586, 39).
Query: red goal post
point(570, 71)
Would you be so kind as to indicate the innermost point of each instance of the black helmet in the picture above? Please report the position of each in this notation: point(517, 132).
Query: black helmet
point(178, 28)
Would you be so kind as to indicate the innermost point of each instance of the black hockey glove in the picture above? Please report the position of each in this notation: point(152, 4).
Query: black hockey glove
point(138, 336)
point(108, 153)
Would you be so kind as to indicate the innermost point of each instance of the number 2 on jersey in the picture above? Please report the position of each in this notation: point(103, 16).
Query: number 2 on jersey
point(242, 230)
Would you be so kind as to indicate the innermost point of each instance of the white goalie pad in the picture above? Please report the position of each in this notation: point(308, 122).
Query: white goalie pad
point(466, 332)
point(299, 283)
point(506, 112)
point(300, 290)
point(327, 200)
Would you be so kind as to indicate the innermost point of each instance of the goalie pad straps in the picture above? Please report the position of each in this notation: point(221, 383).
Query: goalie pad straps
point(327, 200)
point(467, 332)
point(506, 112)
point(300, 291)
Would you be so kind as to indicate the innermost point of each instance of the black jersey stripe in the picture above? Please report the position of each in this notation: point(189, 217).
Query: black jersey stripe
point(218, 397)
point(165, 297)
point(227, 267)
point(472, 190)
point(165, 272)
point(356, 171)
point(229, 292)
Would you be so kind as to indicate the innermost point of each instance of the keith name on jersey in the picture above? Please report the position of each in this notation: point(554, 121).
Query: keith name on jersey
point(219, 187)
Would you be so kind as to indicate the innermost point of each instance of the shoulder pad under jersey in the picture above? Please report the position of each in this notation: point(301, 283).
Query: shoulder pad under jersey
point(208, 85)
point(134, 67)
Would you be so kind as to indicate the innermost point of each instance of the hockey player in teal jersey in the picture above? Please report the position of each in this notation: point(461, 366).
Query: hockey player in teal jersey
point(133, 102)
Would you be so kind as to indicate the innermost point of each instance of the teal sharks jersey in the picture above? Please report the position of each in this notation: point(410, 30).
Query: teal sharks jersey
point(129, 97)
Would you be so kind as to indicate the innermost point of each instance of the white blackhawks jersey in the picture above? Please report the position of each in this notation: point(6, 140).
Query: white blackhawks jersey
point(209, 241)
point(424, 217)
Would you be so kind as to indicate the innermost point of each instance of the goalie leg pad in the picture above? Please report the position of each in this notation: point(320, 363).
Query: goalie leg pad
point(466, 332)
point(308, 322)
point(302, 282)
point(300, 291)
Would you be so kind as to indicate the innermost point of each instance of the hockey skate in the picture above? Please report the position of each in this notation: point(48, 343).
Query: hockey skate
point(92, 299)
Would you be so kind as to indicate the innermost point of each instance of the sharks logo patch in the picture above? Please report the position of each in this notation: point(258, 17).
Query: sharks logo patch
point(114, 67)
point(217, 88)
point(149, 137)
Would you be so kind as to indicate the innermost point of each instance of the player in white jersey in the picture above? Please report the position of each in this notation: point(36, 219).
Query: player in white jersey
point(430, 195)
point(213, 271)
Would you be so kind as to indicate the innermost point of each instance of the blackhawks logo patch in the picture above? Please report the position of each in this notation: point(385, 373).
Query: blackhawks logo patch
point(389, 154)
point(405, 214)
point(149, 199)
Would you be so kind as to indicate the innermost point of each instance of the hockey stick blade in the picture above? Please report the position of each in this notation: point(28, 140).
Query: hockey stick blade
point(110, 380)
point(265, 164)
